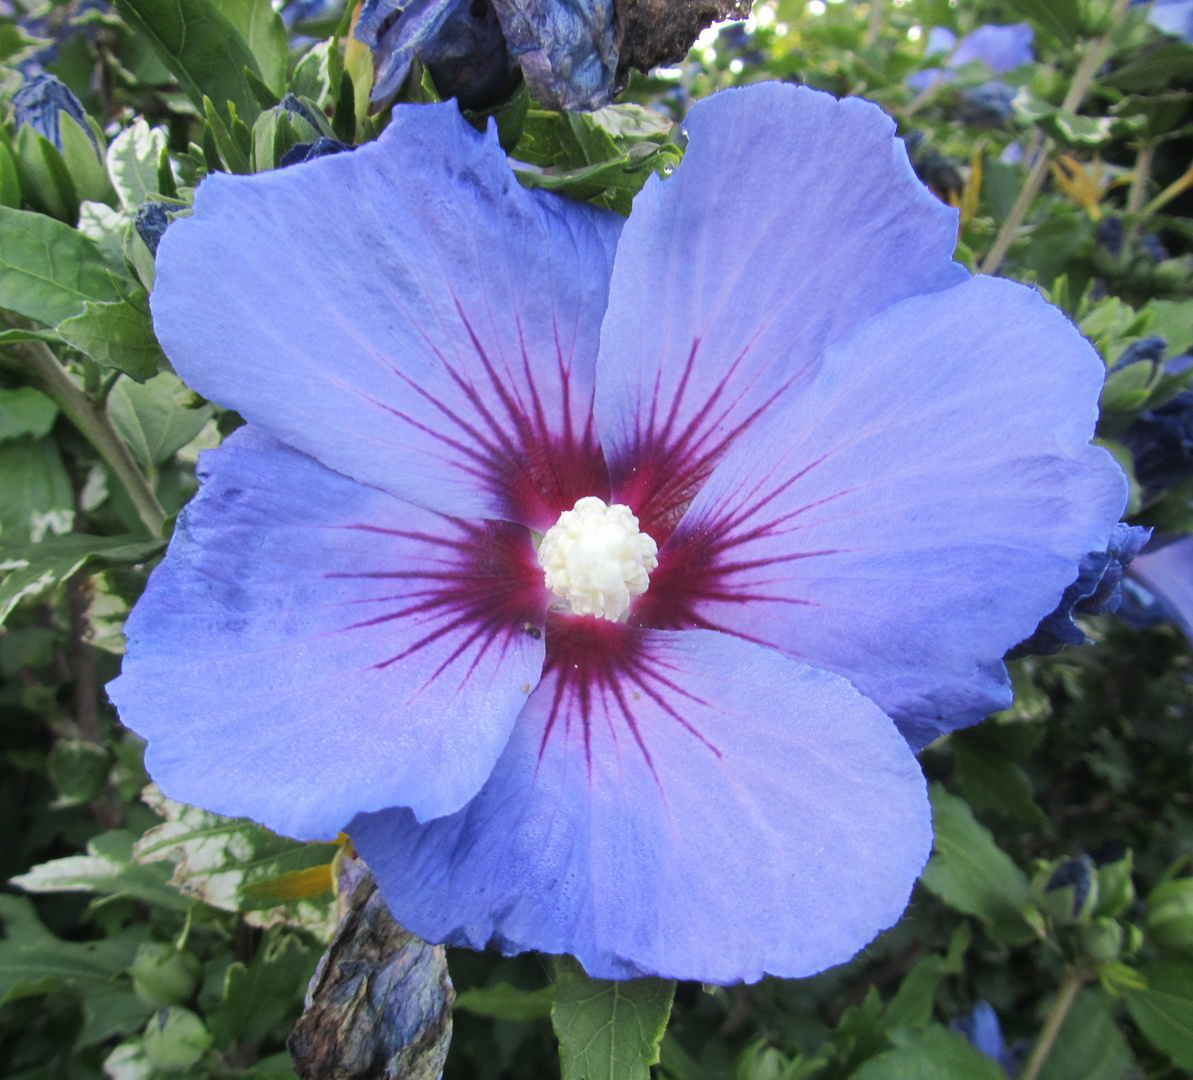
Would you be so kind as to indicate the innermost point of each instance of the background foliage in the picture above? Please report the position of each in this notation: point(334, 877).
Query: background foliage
point(147, 939)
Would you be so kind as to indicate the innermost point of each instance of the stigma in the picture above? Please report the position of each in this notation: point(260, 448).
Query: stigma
point(597, 559)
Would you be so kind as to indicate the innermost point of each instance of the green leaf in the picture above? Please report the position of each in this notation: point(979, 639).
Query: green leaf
point(133, 163)
point(504, 1002)
point(201, 48)
point(263, 31)
point(1090, 1045)
point(1164, 1011)
point(1154, 68)
point(48, 270)
point(32, 960)
point(107, 870)
point(10, 179)
point(935, 1054)
point(25, 411)
point(259, 994)
point(36, 496)
point(912, 1004)
point(218, 859)
point(118, 335)
point(29, 571)
point(153, 417)
point(970, 873)
point(608, 1030)
point(991, 781)
point(1060, 18)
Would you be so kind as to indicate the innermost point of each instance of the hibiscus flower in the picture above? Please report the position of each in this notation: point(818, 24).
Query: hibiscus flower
point(819, 478)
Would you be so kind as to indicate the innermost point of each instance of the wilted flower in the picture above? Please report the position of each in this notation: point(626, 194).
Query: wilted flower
point(1000, 48)
point(40, 102)
point(1097, 591)
point(860, 471)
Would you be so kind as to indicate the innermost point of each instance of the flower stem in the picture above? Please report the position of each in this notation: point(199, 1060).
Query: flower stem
point(1065, 996)
point(1095, 53)
point(1180, 184)
point(91, 418)
point(1143, 173)
point(875, 24)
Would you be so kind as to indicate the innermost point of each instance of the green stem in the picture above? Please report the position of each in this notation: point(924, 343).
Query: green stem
point(875, 24)
point(1095, 53)
point(1180, 184)
point(92, 419)
point(1143, 172)
point(1065, 996)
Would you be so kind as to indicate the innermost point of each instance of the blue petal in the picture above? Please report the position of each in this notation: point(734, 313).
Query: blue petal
point(408, 314)
point(1000, 48)
point(981, 1028)
point(688, 805)
point(568, 49)
point(940, 40)
point(1173, 17)
point(312, 647)
point(1168, 573)
point(792, 219)
point(914, 512)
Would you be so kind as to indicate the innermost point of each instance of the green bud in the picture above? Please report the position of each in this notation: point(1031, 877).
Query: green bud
point(79, 770)
point(163, 975)
point(1067, 890)
point(45, 180)
point(1170, 914)
point(87, 168)
point(1116, 891)
point(175, 1039)
point(1102, 940)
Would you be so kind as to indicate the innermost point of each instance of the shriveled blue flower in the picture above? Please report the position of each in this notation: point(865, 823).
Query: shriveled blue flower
point(1095, 592)
point(1161, 439)
point(151, 223)
point(39, 103)
point(982, 1029)
point(461, 42)
point(1000, 48)
point(673, 738)
point(321, 147)
point(987, 105)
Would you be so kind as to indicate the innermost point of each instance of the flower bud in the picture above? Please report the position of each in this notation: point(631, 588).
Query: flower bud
point(164, 975)
point(1067, 890)
point(175, 1039)
point(1116, 891)
point(1102, 940)
point(1170, 914)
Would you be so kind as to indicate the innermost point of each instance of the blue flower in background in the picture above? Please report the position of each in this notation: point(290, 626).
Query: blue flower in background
point(1160, 588)
point(981, 1027)
point(1173, 17)
point(596, 575)
point(566, 48)
point(1000, 48)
